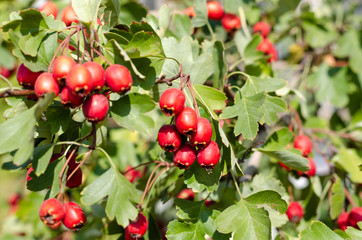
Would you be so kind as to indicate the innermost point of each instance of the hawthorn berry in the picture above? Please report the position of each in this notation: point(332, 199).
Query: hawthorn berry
point(342, 221)
point(69, 99)
point(172, 101)
point(208, 156)
point(268, 48)
point(284, 166)
point(355, 216)
point(26, 77)
point(74, 218)
point(190, 11)
point(51, 211)
point(132, 174)
point(76, 179)
point(13, 201)
point(230, 22)
point(187, 194)
point(49, 8)
point(69, 16)
point(169, 138)
point(295, 212)
point(304, 144)
point(55, 225)
point(215, 11)
point(185, 156)
point(263, 28)
point(97, 73)
point(186, 121)
point(118, 78)
point(61, 67)
point(79, 80)
point(44, 84)
point(203, 133)
point(138, 227)
point(95, 108)
point(6, 72)
point(312, 168)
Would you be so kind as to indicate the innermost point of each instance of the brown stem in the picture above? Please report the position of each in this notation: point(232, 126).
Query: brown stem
point(62, 171)
point(349, 197)
point(230, 94)
point(80, 164)
point(168, 81)
point(140, 165)
point(290, 191)
point(9, 93)
point(299, 121)
point(147, 184)
point(101, 55)
point(189, 85)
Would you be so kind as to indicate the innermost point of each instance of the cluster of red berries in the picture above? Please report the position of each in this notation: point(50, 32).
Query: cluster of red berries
point(266, 46)
point(350, 218)
point(52, 212)
point(295, 212)
point(137, 228)
point(68, 15)
point(197, 130)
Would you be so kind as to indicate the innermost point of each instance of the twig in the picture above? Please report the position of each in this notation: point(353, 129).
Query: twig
point(168, 81)
point(10, 93)
point(101, 55)
point(299, 121)
point(140, 165)
point(349, 197)
point(62, 171)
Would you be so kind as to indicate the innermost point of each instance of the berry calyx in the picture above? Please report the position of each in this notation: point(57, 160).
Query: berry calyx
point(342, 221)
point(312, 168)
point(215, 11)
point(138, 227)
point(355, 216)
point(97, 73)
point(69, 16)
point(51, 211)
point(172, 101)
point(186, 121)
point(44, 84)
point(185, 156)
point(55, 225)
point(69, 99)
point(74, 218)
point(118, 78)
point(295, 212)
point(208, 156)
point(95, 108)
point(203, 133)
point(26, 77)
point(187, 194)
point(169, 138)
point(231, 22)
point(304, 144)
point(61, 67)
point(263, 28)
point(79, 80)
point(49, 8)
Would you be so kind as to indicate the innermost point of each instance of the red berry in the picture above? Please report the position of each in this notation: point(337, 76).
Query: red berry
point(231, 22)
point(55, 225)
point(49, 8)
point(209, 156)
point(118, 78)
point(312, 168)
point(132, 174)
point(355, 216)
point(61, 67)
point(172, 101)
point(74, 218)
point(215, 11)
point(97, 73)
point(127, 235)
point(295, 212)
point(263, 28)
point(185, 156)
point(70, 99)
point(69, 16)
point(79, 80)
point(5, 72)
point(187, 194)
point(76, 179)
point(203, 133)
point(46, 84)
point(169, 138)
point(95, 108)
point(190, 11)
point(14, 199)
point(209, 202)
point(51, 211)
point(284, 166)
point(304, 144)
point(138, 227)
point(186, 121)
point(26, 77)
point(273, 54)
point(342, 221)
point(264, 45)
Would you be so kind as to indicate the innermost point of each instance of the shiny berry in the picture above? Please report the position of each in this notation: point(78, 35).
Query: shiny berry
point(231, 22)
point(69, 16)
point(49, 8)
point(51, 211)
point(132, 174)
point(186, 121)
point(95, 108)
point(187, 194)
point(208, 156)
point(76, 178)
point(79, 80)
point(172, 101)
point(61, 67)
point(312, 168)
point(97, 73)
point(215, 11)
point(203, 133)
point(169, 138)
point(55, 225)
point(264, 45)
point(118, 78)
point(44, 84)
point(304, 144)
point(263, 28)
point(295, 212)
point(74, 218)
point(342, 221)
point(138, 227)
point(190, 11)
point(70, 99)
point(355, 216)
point(26, 77)
point(185, 156)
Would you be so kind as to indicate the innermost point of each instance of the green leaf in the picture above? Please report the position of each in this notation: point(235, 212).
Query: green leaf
point(270, 198)
point(41, 157)
point(201, 13)
point(114, 6)
point(254, 85)
point(251, 54)
point(182, 25)
point(131, 11)
point(288, 158)
point(318, 231)
point(354, 233)
point(144, 44)
point(58, 117)
point(337, 199)
point(164, 16)
point(183, 230)
point(271, 107)
point(45, 180)
point(278, 140)
point(220, 66)
point(202, 68)
point(349, 161)
point(317, 36)
point(23, 154)
point(86, 10)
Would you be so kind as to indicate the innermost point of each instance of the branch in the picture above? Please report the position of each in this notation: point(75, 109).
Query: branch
point(230, 94)
point(168, 81)
point(9, 93)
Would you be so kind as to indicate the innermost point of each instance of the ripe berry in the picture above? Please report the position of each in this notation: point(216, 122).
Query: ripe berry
point(70, 99)
point(26, 77)
point(304, 144)
point(231, 22)
point(97, 73)
point(185, 156)
point(6, 72)
point(51, 211)
point(79, 80)
point(132, 174)
point(186, 121)
point(264, 45)
point(74, 218)
point(169, 138)
point(208, 156)
point(190, 11)
point(284, 166)
point(187, 194)
point(76, 179)
point(95, 108)
point(263, 28)
point(138, 227)
point(55, 225)
point(342, 221)
point(355, 216)
point(13, 201)
point(69, 16)
point(215, 11)
point(295, 212)
point(45, 83)
point(312, 168)
point(118, 78)
point(273, 54)
point(61, 67)
point(49, 8)
point(172, 101)
point(203, 133)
